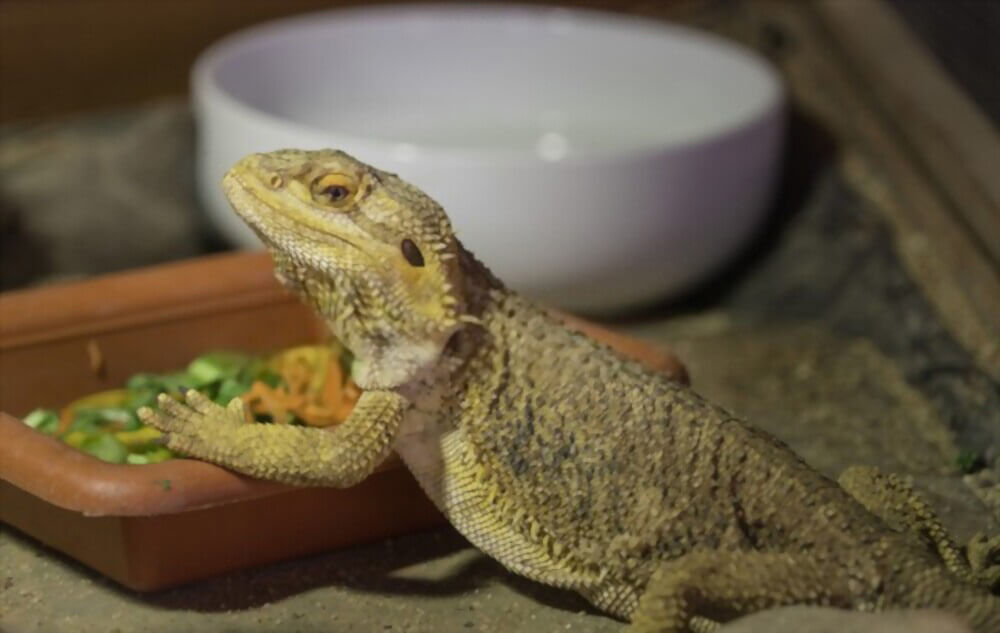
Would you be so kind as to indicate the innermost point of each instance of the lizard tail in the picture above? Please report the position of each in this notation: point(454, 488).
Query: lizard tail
point(937, 588)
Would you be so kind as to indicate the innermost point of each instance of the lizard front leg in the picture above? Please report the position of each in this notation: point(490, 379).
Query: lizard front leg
point(694, 592)
point(340, 457)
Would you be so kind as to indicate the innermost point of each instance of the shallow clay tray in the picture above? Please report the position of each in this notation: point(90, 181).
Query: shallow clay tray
point(150, 527)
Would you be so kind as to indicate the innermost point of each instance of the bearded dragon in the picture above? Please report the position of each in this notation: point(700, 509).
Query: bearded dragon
point(564, 461)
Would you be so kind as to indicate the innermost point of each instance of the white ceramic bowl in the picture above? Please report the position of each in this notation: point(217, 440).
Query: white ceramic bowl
point(592, 160)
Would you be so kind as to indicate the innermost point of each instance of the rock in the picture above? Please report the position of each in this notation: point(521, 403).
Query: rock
point(98, 194)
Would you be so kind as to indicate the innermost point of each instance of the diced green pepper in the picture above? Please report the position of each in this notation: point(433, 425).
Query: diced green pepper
point(120, 418)
point(143, 381)
point(159, 454)
point(175, 382)
point(229, 389)
point(105, 447)
point(87, 421)
point(44, 420)
point(138, 439)
point(75, 438)
point(269, 377)
point(215, 366)
point(154, 456)
point(143, 397)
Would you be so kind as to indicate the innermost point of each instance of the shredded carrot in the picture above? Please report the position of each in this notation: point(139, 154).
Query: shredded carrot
point(277, 403)
point(314, 390)
point(297, 375)
point(315, 415)
point(351, 394)
point(65, 419)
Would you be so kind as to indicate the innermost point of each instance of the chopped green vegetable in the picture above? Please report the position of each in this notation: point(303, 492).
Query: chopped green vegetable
point(149, 457)
point(229, 389)
point(123, 418)
point(164, 483)
point(139, 439)
point(158, 454)
point(139, 382)
point(44, 420)
point(175, 383)
point(215, 366)
point(75, 438)
point(269, 377)
point(87, 421)
point(142, 397)
point(105, 447)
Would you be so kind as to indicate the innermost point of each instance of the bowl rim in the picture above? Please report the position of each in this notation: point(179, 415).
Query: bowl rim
point(205, 88)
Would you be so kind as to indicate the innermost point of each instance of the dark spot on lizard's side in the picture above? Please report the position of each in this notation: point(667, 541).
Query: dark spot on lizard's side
point(563, 452)
point(500, 388)
point(517, 464)
point(520, 444)
point(528, 427)
point(739, 513)
point(717, 452)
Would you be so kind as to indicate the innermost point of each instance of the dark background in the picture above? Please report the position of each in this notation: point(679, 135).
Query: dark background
point(64, 56)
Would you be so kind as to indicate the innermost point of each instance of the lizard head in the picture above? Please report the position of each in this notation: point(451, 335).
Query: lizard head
point(374, 256)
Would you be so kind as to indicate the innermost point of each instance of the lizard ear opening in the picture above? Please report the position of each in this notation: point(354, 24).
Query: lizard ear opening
point(412, 253)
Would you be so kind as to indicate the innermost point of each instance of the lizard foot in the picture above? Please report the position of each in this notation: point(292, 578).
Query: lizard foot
point(666, 607)
point(694, 592)
point(984, 559)
point(298, 455)
point(198, 426)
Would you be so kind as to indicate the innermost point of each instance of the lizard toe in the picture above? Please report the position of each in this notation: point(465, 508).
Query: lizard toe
point(177, 411)
point(983, 553)
point(202, 404)
point(159, 422)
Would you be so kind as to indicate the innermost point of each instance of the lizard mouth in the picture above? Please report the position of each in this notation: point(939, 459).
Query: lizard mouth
point(250, 207)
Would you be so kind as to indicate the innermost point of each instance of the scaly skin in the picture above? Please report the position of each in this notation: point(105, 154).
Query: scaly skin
point(565, 462)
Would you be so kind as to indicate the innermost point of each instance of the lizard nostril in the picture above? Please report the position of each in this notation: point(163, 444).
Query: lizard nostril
point(276, 181)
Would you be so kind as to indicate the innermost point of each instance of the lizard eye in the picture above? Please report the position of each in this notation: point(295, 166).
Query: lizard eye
point(412, 253)
point(334, 189)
